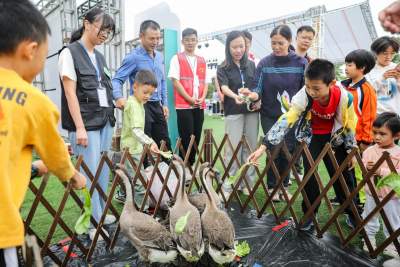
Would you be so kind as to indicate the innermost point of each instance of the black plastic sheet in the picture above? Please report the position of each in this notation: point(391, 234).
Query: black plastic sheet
point(286, 247)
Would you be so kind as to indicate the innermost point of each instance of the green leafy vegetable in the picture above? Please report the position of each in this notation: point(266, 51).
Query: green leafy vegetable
point(233, 179)
point(166, 154)
point(242, 249)
point(181, 223)
point(392, 180)
point(192, 258)
point(82, 224)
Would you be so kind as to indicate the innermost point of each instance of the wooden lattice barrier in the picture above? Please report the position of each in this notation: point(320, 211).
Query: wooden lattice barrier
point(258, 199)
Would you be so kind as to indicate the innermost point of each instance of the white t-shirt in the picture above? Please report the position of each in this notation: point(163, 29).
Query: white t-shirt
point(174, 72)
point(66, 64)
point(387, 90)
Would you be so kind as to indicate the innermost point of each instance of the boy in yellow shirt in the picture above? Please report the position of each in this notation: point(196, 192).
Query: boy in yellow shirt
point(28, 119)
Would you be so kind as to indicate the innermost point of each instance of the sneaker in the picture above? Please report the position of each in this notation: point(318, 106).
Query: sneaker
point(281, 196)
point(373, 243)
point(245, 191)
point(392, 263)
point(335, 201)
point(307, 226)
point(391, 251)
point(292, 177)
point(350, 222)
point(275, 198)
point(92, 232)
point(110, 219)
point(290, 182)
point(120, 196)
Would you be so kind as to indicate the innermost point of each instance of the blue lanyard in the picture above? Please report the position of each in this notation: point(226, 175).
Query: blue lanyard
point(242, 77)
point(96, 67)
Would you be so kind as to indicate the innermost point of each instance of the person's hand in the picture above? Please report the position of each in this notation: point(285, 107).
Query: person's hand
point(81, 137)
point(78, 181)
point(254, 97)
point(391, 74)
point(256, 154)
point(363, 146)
point(390, 17)
point(244, 91)
point(238, 100)
point(370, 165)
point(166, 112)
point(256, 105)
point(196, 102)
point(42, 169)
point(352, 163)
point(201, 100)
point(192, 101)
point(120, 103)
point(154, 148)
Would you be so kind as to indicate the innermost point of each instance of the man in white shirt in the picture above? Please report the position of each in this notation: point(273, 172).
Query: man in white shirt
point(188, 74)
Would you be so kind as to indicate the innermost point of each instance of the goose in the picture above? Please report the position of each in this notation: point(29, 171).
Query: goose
point(190, 242)
point(151, 239)
point(199, 199)
point(218, 228)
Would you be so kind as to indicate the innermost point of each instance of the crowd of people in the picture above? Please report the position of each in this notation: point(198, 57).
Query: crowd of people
point(292, 96)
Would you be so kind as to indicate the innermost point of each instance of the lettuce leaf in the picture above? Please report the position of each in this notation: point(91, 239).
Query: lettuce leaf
point(181, 223)
point(242, 249)
point(392, 180)
point(83, 222)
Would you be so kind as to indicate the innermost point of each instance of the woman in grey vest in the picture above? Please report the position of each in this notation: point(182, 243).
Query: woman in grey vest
point(87, 110)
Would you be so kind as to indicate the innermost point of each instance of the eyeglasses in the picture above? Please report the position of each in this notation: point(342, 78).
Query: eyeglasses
point(106, 32)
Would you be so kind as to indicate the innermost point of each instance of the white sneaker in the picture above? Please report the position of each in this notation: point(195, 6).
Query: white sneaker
point(391, 251)
point(92, 232)
point(392, 263)
point(276, 196)
point(110, 219)
point(282, 197)
point(373, 243)
point(245, 191)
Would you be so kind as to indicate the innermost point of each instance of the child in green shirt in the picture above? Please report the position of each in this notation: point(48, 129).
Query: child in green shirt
point(132, 136)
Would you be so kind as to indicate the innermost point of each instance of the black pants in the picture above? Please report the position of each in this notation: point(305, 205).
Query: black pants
point(190, 121)
point(280, 161)
point(311, 188)
point(155, 124)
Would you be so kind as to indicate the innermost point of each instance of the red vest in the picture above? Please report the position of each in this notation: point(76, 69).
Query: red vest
point(187, 79)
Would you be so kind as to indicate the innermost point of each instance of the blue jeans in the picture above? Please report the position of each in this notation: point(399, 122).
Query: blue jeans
point(98, 141)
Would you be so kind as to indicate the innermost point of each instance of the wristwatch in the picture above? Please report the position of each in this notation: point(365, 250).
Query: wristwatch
point(34, 171)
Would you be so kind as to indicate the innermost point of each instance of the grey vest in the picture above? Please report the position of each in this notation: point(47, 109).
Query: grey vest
point(93, 115)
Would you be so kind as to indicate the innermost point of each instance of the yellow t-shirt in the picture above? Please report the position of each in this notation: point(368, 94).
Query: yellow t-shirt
point(28, 120)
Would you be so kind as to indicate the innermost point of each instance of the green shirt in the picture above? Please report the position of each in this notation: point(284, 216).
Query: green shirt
point(133, 118)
